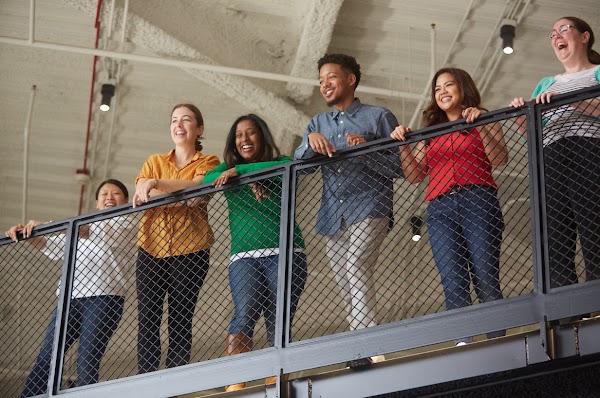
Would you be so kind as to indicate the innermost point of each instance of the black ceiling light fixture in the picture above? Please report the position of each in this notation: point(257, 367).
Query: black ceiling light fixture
point(108, 91)
point(416, 223)
point(507, 33)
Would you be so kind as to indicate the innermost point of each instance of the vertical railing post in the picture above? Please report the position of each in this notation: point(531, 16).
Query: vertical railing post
point(62, 313)
point(539, 238)
point(284, 278)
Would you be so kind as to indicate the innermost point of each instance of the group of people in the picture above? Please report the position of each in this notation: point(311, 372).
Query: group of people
point(464, 217)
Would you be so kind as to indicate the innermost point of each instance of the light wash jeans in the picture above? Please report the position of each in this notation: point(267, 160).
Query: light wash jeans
point(353, 253)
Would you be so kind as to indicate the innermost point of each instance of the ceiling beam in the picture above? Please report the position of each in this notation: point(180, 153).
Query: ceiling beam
point(288, 121)
point(314, 42)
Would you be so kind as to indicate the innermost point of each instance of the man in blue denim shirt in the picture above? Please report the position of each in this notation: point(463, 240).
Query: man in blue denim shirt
point(356, 207)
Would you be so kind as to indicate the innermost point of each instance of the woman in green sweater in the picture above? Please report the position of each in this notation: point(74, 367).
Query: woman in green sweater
point(254, 221)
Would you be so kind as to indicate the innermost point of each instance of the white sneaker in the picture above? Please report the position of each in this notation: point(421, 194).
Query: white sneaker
point(378, 358)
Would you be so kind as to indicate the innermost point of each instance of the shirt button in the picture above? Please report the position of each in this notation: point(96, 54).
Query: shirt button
point(341, 201)
point(341, 121)
point(341, 113)
point(339, 170)
point(339, 136)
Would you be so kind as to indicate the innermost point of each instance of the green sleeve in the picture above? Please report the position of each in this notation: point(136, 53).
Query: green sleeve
point(212, 175)
point(245, 168)
point(543, 85)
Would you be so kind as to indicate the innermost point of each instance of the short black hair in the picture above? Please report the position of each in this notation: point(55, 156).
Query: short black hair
point(118, 183)
point(347, 62)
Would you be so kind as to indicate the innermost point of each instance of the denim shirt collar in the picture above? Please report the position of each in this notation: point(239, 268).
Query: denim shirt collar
point(351, 110)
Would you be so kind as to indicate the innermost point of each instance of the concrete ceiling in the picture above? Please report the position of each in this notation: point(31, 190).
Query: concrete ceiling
point(230, 57)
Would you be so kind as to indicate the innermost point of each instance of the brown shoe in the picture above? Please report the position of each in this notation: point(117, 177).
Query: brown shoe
point(235, 387)
point(270, 380)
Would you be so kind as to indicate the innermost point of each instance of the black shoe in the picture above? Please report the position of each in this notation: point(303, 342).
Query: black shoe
point(359, 364)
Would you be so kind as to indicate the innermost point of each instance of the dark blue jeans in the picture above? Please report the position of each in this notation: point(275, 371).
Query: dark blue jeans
point(92, 320)
point(181, 277)
point(465, 233)
point(253, 284)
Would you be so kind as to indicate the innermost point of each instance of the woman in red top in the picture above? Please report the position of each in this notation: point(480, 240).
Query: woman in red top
point(464, 218)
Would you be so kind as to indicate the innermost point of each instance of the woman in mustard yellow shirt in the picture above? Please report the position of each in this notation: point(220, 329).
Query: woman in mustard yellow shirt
point(174, 242)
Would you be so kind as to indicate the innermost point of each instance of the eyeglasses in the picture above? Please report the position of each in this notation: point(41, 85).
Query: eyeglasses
point(562, 29)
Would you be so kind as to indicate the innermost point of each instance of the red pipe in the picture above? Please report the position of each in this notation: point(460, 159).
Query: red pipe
point(89, 122)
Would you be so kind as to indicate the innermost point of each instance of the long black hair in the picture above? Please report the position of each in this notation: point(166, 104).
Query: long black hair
point(268, 151)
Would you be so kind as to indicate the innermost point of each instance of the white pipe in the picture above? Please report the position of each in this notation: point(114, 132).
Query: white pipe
point(495, 32)
point(31, 21)
point(113, 108)
point(92, 161)
point(433, 68)
point(409, 59)
point(124, 28)
point(424, 95)
point(111, 15)
point(26, 153)
point(520, 17)
point(198, 66)
point(492, 70)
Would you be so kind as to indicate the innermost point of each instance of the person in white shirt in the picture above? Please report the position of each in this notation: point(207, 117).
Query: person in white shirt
point(96, 306)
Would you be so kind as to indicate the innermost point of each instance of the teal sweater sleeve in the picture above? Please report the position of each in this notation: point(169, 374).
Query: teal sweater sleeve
point(548, 81)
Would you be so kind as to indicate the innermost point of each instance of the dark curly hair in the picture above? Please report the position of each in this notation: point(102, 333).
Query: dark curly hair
point(346, 62)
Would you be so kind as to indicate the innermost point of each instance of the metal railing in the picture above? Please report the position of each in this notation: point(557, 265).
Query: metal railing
point(342, 314)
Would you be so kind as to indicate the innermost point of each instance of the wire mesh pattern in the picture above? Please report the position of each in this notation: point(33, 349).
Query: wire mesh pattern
point(403, 277)
point(571, 148)
point(28, 300)
point(147, 294)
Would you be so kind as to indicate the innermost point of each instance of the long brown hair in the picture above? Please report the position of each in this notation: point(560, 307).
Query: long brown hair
point(433, 114)
point(583, 26)
point(269, 150)
point(199, 120)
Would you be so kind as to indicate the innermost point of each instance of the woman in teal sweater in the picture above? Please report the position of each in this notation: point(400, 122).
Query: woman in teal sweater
point(254, 221)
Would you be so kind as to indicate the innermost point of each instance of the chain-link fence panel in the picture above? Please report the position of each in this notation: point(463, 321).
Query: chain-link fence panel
point(571, 158)
point(367, 264)
point(31, 272)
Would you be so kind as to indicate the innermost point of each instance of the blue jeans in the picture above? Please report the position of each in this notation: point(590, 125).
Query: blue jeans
point(465, 233)
point(92, 320)
point(253, 284)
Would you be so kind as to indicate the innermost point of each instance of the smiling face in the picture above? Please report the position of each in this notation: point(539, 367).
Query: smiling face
point(336, 86)
point(110, 195)
point(570, 44)
point(448, 96)
point(248, 140)
point(184, 127)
